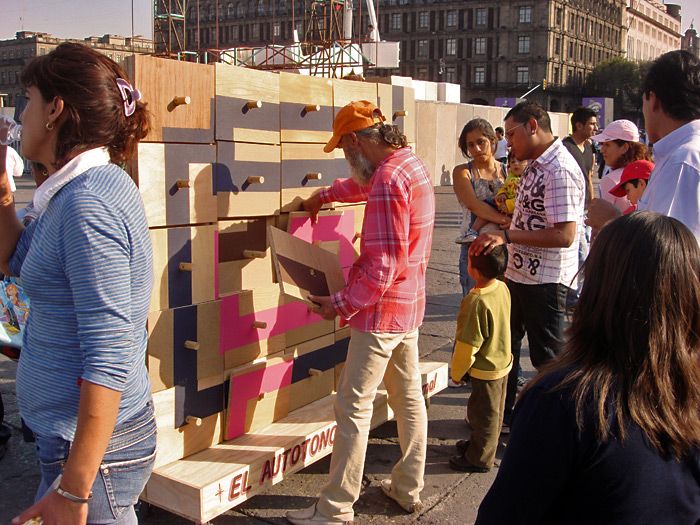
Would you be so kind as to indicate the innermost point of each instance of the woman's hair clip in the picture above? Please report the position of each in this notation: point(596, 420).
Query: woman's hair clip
point(129, 96)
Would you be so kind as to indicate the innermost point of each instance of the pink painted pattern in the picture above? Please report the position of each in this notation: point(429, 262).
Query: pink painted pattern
point(328, 228)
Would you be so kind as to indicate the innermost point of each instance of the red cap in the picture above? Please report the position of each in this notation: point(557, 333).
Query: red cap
point(353, 117)
point(639, 169)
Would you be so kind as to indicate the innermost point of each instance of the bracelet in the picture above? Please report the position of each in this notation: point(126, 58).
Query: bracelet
point(7, 201)
point(71, 497)
point(507, 236)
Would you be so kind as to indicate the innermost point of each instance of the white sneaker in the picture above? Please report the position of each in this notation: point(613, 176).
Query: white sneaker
point(455, 384)
point(408, 507)
point(310, 516)
point(466, 238)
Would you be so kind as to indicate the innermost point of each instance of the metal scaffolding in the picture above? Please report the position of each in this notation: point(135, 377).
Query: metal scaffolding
point(169, 28)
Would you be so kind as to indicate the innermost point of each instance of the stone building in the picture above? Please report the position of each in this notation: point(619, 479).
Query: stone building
point(653, 29)
point(691, 41)
point(17, 52)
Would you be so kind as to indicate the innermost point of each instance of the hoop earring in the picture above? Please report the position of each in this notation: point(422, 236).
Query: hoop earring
point(49, 126)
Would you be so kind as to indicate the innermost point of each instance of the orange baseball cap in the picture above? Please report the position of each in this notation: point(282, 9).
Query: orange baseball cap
point(353, 117)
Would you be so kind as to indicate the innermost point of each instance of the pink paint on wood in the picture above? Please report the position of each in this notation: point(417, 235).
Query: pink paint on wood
point(237, 330)
point(328, 228)
point(216, 264)
point(249, 386)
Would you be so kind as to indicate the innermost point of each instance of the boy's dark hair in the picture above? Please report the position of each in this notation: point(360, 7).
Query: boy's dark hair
point(492, 264)
point(524, 111)
point(674, 78)
point(634, 182)
point(499, 129)
point(581, 115)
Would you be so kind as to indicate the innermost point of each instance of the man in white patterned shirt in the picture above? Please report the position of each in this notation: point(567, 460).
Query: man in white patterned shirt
point(542, 238)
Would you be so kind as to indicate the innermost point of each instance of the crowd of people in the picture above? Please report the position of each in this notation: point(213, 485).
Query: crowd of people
point(607, 432)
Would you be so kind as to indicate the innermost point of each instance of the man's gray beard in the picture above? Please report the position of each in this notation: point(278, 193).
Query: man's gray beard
point(361, 168)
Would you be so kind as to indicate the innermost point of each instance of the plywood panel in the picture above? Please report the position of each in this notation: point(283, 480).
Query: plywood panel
point(299, 94)
point(247, 105)
point(331, 226)
point(176, 183)
point(247, 179)
point(163, 84)
point(346, 91)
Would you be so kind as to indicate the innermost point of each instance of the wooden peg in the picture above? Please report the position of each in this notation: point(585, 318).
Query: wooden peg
point(192, 345)
point(400, 113)
point(261, 396)
point(313, 176)
point(315, 372)
point(252, 104)
point(184, 183)
point(180, 101)
point(186, 267)
point(253, 254)
point(255, 179)
point(259, 324)
point(357, 235)
point(196, 421)
point(312, 107)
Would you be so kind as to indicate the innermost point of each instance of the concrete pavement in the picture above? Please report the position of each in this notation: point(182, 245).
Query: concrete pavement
point(449, 497)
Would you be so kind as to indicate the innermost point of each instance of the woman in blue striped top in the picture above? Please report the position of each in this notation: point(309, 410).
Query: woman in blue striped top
point(86, 264)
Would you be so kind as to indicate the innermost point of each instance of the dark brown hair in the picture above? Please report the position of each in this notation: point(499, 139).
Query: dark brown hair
point(636, 151)
point(524, 111)
point(492, 264)
point(633, 347)
point(477, 124)
point(86, 82)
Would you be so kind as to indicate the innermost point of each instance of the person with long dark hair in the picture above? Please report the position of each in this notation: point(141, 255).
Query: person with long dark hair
point(609, 432)
point(86, 264)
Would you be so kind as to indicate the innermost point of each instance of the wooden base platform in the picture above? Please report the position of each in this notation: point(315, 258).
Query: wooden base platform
point(208, 483)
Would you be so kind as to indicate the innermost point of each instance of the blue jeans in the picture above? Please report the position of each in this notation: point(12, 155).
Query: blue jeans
point(464, 278)
point(125, 469)
point(538, 310)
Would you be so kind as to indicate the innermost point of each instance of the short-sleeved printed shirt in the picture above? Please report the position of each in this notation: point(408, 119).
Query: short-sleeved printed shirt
point(551, 190)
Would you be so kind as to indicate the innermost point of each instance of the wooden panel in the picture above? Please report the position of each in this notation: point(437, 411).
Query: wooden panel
point(346, 91)
point(160, 82)
point(247, 179)
point(176, 183)
point(303, 268)
point(299, 163)
point(247, 105)
point(297, 92)
point(237, 268)
point(331, 226)
point(194, 282)
point(313, 376)
point(398, 105)
point(204, 485)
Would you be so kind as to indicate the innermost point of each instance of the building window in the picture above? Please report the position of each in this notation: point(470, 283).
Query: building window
point(234, 33)
point(557, 46)
point(422, 48)
point(571, 50)
point(451, 18)
point(481, 16)
point(451, 46)
point(240, 10)
point(525, 14)
point(109, 55)
point(423, 19)
point(261, 7)
point(277, 29)
point(451, 75)
point(396, 21)
point(523, 44)
point(479, 75)
point(523, 75)
point(254, 31)
point(230, 10)
point(42, 51)
point(422, 73)
point(480, 46)
point(119, 59)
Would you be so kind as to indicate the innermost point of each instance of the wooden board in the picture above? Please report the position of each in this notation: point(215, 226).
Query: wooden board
point(237, 270)
point(208, 483)
point(247, 105)
point(303, 268)
point(239, 191)
point(337, 226)
point(174, 287)
point(296, 93)
point(298, 161)
point(176, 182)
point(346, 91)
point(398, 105)
point(160, 81)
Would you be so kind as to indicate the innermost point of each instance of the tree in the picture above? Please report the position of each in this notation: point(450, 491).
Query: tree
point(620, 79)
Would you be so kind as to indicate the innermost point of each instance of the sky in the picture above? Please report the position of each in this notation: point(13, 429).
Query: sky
point(83, 18)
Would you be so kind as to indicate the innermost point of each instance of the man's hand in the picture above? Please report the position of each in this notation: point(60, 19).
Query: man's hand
point(601, 212)
point(54, 509)
point(313, 205)
point(325, 307)
point(486, 242)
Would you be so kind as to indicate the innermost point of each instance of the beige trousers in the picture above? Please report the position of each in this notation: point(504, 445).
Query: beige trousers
point(371, 358)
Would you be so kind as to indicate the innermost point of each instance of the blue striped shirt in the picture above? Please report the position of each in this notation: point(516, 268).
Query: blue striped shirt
point(86, 264)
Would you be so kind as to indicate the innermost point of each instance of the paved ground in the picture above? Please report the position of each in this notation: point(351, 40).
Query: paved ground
point(450, 497)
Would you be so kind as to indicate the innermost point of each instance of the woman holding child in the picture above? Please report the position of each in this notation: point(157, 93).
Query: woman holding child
point(86, 265)
point(475, 181)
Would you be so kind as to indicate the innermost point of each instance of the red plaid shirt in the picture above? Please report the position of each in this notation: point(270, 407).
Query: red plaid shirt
point(386, 285)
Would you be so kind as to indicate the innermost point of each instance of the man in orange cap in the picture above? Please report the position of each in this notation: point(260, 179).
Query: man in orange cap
point(384, 303)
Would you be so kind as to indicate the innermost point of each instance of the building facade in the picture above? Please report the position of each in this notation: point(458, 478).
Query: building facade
point(17, 52)
point(653, 29)
point(491, 50)
point(691, 41)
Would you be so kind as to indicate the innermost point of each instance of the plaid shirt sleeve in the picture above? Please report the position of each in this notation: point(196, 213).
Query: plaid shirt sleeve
point(345, 190)
point(385, 245)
